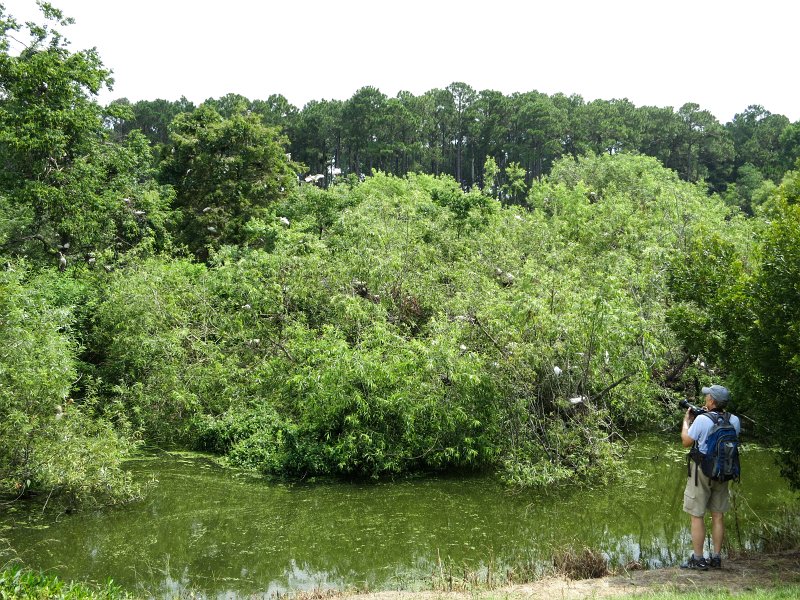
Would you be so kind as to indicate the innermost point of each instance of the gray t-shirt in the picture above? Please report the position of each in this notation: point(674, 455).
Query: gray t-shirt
point(699, 429)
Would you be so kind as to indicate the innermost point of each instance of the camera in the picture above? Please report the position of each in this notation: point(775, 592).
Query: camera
point(684, 404)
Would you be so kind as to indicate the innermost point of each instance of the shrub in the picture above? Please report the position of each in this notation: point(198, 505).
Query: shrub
point(580, 564)
point(30, 585)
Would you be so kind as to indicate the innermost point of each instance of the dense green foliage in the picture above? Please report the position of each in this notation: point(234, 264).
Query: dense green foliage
point(746, 300)
point(422, 328)
point(47, 441)
point(513, 290)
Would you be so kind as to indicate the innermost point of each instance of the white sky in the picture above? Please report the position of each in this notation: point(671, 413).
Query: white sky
point(722, 54)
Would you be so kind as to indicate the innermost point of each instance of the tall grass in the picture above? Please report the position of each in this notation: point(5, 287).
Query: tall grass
point(782, 534)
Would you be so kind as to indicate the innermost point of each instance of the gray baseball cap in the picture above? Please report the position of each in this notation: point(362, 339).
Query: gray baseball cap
point(719, 393)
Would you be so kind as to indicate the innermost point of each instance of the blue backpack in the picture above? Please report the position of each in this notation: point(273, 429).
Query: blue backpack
point(721, 460)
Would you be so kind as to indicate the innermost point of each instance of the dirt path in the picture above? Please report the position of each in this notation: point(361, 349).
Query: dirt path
point(739, 574)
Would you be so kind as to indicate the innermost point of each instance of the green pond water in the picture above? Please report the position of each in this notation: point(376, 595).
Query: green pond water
point(218, 533)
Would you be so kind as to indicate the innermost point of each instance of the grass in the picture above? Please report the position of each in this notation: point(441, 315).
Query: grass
point(790, 592)
point(18, 584)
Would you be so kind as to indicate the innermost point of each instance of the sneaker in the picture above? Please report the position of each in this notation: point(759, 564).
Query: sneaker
point(701, 564)
point(715, 562)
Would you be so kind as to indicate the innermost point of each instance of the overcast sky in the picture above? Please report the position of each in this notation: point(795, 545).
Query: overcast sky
point(722, 54)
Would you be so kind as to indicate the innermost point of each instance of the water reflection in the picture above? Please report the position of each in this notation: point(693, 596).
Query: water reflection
point(224, 534)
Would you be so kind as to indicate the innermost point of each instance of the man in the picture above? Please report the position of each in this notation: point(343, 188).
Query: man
point(702, 493)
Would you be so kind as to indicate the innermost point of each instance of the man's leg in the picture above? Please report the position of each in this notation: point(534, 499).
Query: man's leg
point(717, 531)
point(698, 535)
point(695, 501)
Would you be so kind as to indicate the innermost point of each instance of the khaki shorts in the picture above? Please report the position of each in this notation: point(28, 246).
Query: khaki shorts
point(707, 495)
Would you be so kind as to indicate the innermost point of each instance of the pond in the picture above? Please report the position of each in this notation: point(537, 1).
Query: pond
point(215, 532)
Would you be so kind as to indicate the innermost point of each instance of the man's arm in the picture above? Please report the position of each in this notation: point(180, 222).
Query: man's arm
point(685, 437)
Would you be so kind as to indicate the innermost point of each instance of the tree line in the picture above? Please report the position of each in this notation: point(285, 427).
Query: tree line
point(455, 130)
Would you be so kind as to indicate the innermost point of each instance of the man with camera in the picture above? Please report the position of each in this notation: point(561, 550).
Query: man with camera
point(703, 492)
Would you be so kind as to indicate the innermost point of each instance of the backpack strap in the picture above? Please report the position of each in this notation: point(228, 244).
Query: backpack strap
point(716, 416)
point(695, 457)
